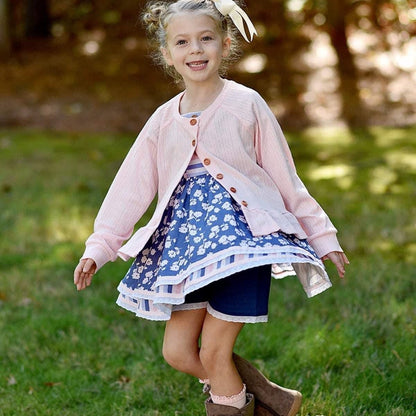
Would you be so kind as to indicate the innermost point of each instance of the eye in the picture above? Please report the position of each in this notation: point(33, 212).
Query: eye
point(207, 38)
point(180, 42)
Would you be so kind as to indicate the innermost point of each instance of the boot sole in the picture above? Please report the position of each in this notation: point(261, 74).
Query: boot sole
point(263, 410)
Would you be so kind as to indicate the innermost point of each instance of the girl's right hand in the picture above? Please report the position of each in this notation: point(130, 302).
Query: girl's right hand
point(84, 272)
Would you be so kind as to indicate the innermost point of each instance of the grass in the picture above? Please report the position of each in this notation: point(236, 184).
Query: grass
point(351, 351)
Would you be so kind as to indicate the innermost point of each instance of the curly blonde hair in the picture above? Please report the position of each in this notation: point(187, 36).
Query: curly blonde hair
point(156, 19)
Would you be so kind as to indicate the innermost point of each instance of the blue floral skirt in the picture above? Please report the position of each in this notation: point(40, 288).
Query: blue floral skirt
point(204, 237)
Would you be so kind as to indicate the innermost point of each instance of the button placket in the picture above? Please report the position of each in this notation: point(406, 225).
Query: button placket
point(194, 123)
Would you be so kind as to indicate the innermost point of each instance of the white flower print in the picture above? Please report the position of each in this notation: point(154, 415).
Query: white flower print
point(227, 206)
point(224, 227)
point(225, 239)
point(201, 251)
point(214, 231)
point(197, 214)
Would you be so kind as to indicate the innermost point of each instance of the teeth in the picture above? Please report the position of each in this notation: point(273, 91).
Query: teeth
point(197, 64)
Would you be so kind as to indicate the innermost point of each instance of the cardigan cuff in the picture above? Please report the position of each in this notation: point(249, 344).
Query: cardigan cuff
point(325, 244)
point(97, 254)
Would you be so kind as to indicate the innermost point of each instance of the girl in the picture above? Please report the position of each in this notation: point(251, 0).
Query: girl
point(231, 212)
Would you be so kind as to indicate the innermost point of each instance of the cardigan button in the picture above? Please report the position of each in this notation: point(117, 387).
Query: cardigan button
point(220, 176)
point(193, 122)
point(207, 162)
point(244, 203)
point(193, 142)
point(233, 190)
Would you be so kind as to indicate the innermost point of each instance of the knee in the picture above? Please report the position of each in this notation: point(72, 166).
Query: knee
point(172, 355)
point(177, 357)
point(214, 359)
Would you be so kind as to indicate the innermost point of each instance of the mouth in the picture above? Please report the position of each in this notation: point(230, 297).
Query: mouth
point(197, 65)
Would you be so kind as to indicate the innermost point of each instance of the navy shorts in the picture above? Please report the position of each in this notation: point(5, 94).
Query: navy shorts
point(241, 297)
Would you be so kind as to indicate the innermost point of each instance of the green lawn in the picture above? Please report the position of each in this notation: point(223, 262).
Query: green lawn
point(351, 351)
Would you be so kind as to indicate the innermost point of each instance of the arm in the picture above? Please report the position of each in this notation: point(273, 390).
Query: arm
point(274, 156)
point(128, 198)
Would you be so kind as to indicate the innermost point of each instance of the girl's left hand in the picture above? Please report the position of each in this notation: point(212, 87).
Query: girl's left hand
point(339, 259)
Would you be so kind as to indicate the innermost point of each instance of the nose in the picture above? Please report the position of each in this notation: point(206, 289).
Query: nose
point(196, 47)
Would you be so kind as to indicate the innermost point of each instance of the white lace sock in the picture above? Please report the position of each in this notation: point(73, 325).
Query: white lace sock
point(206, 388)
point(204, 381)
point(238, 400)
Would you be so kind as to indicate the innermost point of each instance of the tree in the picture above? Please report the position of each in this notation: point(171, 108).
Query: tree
point(38, 19)
point(336, 14)
point(5, 39)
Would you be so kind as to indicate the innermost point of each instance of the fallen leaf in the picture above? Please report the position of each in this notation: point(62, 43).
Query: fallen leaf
point(51, 384)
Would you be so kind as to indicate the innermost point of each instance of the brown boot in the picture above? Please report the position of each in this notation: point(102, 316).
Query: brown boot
point(271, 399)
point(221, 410)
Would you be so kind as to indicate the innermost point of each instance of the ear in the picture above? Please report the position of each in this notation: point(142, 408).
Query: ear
point(166, 55)
point(226, 46)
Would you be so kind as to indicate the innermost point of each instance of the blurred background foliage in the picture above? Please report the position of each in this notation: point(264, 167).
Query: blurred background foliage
point(315, 61)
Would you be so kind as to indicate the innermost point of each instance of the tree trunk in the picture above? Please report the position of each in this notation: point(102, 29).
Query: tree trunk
point(38, 20)
point(337, 30)
point(5, 40)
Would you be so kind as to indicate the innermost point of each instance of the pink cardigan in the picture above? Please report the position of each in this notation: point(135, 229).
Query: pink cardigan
point(241, 144)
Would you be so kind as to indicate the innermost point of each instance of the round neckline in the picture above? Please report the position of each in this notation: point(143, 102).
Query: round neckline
point(192, 114)
point(215, 103)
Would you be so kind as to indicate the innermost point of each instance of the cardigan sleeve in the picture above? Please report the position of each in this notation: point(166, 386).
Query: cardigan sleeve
point(275, 158)
point(129, 196)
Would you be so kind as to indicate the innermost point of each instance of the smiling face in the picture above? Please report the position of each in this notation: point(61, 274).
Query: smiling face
point(195, 47)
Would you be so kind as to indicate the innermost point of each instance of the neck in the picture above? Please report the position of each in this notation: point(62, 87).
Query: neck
point(199, 97)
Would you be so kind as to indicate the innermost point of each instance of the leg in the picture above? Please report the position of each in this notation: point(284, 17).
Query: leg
point(180, 343)
point(217, 343)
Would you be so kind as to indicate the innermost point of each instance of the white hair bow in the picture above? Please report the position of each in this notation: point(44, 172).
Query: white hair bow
point(237, 14)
